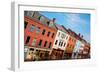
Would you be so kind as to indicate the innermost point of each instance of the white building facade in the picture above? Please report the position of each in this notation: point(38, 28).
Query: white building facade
point(61, 40)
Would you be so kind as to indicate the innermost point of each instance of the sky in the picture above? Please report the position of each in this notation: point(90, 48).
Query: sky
point(78, 22)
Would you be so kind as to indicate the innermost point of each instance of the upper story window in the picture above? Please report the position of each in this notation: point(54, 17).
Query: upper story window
point(63, 36)
point(52, 35)
point(42, 19)
point(61, 44)
point(64, 44)
point(25, 24)
point(39, 17)
point(56, 42)
point(31, 28)
point(50, 45)
point(66, 37)
point(40, 42)
point(43, 32)
point(48, 34)
point(58, 34)
point(48, 22)
point(27, 40)
point(38, 30)
point(30, 13)
point(34, 42)
point(45, 43)
point(33, 14)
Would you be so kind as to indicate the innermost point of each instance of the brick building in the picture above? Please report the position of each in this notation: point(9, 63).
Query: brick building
point(39, 32)
point(70, 43)
point(44, 39)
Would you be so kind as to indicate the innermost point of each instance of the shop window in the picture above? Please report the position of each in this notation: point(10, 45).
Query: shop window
point(31, 49)
point(27, 40)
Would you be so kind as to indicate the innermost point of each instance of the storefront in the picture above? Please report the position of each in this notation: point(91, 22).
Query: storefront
point(56, 54)
point(37, 54)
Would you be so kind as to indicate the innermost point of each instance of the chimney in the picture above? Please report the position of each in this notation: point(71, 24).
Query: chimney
point(79, 34)
point(82, 36)
point(54, 19)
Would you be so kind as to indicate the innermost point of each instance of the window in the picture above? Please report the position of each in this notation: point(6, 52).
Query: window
point(31, 49)
point(39, 17)
point(48, 22)
point(64, 44)
point(43, 32)
point(45, 43)
point(62, 36)
point(50, 45)
point(66, 37)
point(30, 13)
point(42, 19)
point(27, 40)
point(34, 42)
point(61, 43)
point(25, 12)
point(58, 34)
point(33, 14)
point(56, 42)
point(48, 34)
point(38, 30)
point(40, 42)
point(25, 24)
point(52, 35)
point(31, 28)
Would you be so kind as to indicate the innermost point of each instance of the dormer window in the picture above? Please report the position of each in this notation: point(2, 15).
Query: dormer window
point(48, 22)
point(30, 13)
point(41, 18)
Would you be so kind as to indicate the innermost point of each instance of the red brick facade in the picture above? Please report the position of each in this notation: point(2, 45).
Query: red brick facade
point(46, 38)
